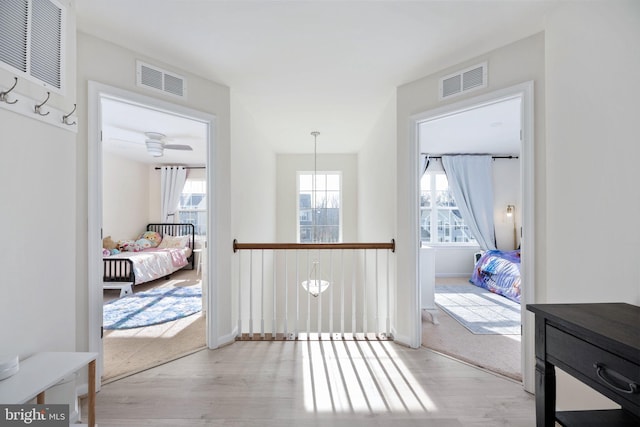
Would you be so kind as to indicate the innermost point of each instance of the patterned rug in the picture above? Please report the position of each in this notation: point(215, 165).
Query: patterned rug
point(152, 307)
point(478, 310)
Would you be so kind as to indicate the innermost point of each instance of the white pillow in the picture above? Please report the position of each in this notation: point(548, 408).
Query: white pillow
point(174, 242)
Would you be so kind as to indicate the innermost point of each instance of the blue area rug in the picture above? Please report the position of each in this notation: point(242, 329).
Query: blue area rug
point(478, 310)
point(152, 307)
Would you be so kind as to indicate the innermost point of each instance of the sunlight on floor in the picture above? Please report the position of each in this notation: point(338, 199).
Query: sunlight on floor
point(359, 376)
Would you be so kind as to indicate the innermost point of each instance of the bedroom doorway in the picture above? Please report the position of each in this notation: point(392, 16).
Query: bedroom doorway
point(125, 172)
point(505, 116)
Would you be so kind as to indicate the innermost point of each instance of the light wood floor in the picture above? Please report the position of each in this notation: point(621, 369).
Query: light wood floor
point(315, 384)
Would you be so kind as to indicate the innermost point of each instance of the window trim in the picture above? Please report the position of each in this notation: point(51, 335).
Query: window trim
point(297, 197)
point(473, 244)
point(191, 210)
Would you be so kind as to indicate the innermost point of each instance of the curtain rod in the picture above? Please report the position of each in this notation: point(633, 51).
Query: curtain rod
point(464, 154)
point(188, 167)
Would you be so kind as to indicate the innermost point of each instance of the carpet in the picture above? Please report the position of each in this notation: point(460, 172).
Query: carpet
point(478, 310)
point(152, 307)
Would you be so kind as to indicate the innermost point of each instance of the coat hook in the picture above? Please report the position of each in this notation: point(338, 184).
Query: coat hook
point(37, 107)
point(65, 118)
point(3, 95)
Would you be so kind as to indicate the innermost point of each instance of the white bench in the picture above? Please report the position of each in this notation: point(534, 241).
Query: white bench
point(125, 287)
point(42, 371)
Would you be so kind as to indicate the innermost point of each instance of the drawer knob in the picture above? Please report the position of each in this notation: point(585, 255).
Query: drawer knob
point(609, 377)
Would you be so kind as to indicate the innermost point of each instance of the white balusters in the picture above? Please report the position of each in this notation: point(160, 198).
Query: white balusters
point(355, 304)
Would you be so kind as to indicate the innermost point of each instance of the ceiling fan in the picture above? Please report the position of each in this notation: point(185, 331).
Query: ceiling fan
point(156, 145)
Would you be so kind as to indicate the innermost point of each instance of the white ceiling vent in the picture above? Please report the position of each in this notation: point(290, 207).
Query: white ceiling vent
point(160, 80)
point(463, 81)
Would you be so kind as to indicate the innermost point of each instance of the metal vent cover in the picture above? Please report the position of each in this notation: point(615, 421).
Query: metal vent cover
point(32, 40)
point(157, 79)
point(462, 81)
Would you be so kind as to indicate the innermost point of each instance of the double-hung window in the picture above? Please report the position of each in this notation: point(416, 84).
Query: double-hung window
point(440, 219)
point(193, 205)
point(319, 207)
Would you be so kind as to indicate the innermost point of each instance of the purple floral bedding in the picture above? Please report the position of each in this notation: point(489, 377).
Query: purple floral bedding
point(499, 272)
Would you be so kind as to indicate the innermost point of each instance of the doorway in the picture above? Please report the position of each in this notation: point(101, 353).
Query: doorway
point(474, 324)
point(525, 227)
point(130, 136)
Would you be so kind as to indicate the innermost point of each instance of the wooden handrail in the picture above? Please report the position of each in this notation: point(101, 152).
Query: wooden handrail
point(289, 246)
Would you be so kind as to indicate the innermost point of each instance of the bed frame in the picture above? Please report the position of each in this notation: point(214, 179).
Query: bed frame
point(121, 269)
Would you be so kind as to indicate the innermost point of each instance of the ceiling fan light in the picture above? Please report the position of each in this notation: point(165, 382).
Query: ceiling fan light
point(155, 148)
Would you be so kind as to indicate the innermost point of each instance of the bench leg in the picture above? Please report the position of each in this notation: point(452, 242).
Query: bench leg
point(125, 290)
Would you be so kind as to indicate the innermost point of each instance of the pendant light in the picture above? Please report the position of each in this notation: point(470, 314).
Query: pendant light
point(315, 285)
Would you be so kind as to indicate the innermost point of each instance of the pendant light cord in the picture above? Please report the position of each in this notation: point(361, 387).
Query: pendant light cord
point(315, 173)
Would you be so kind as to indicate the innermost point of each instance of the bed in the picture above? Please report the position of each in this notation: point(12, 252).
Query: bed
point(174, 252)
point(499, 272)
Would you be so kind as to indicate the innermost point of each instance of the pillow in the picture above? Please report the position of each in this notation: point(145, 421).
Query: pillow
point(174, 242)
point(152, 236)
point(129, 246)
point(145, 244)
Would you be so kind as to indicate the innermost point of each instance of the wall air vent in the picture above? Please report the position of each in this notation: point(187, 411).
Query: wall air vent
point(160, 80)
point(32, 41)
point(463, 81)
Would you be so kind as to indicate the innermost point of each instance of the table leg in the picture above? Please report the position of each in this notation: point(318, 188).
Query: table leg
point(545, 394)
point(40, 398)
point(92, 394)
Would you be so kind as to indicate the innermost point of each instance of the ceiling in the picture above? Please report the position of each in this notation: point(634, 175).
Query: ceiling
point(124, 126)
point(490, 129)
point(298, 66)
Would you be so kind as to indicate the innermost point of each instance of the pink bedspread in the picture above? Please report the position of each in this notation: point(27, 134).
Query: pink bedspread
point(152, 263)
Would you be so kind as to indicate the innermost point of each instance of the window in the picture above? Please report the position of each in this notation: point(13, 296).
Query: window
point(440, 219)
point(32, 40)
point(193, 205)
point(319, 215)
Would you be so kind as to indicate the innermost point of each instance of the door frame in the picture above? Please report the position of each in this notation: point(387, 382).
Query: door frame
point(96, 91)
point(527, 175)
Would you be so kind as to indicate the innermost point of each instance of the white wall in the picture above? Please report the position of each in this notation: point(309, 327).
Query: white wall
point(592, 173)
point(125, 197)
point(513, 64)
point(507, 189)
point(593, 176)
point(38, 173)
point(287, 167)
point(377, 179)
point(106, 63)
point(253, 177)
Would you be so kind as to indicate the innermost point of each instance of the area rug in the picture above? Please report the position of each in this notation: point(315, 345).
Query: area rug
point(152, 307)
point(478, 310)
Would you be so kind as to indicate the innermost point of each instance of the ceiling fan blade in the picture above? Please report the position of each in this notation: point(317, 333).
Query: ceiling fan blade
point(178, 147)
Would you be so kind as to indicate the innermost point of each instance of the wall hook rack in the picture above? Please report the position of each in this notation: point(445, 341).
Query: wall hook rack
point(37, 107)
point(65, 118)
point(3, 95)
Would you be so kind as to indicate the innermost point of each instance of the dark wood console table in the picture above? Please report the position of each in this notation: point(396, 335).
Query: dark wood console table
point(599, 344)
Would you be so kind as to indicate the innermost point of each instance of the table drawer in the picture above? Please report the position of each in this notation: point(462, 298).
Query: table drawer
point(607, 372)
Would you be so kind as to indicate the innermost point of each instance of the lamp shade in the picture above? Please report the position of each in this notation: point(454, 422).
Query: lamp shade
point(315, 287)
point(155, 148)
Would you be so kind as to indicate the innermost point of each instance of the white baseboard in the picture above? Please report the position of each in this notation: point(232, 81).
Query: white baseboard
point(229, 338)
